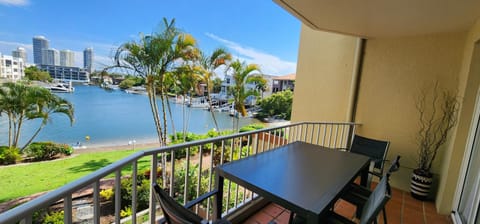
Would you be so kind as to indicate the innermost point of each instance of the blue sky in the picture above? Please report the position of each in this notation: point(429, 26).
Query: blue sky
point(258, 31)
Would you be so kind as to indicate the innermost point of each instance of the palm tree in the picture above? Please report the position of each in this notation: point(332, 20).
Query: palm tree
point(209, 63)
point(260, 83)
point(46, 105)
point(152, 57)
point(241, 74)
point(186, 81)
point(21, 103)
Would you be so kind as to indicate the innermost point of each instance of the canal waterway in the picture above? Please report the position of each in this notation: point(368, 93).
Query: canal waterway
point(114, 118)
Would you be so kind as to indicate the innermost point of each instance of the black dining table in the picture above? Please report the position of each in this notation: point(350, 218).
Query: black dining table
point(305, 178)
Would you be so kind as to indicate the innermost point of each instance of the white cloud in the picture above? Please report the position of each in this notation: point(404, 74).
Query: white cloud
point(14, 2)
point(269, 64)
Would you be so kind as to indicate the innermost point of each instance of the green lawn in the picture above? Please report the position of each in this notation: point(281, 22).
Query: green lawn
point(26, 179)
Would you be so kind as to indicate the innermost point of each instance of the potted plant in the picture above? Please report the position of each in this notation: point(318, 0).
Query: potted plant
point(437, 116)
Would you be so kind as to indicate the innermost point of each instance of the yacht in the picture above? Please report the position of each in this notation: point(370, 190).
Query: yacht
point(61, 87)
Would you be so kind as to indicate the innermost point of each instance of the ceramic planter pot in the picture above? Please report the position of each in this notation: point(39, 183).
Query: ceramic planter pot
point(420, 184)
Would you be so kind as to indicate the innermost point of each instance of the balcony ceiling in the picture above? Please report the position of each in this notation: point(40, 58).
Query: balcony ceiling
point(385, 18)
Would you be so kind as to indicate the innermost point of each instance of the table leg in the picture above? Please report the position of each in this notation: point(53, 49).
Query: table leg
point(364, 176)
point(218, 199)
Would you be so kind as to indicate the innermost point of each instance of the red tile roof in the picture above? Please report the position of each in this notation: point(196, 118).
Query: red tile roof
point(285, 77)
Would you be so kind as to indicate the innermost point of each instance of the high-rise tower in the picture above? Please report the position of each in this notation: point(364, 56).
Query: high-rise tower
point(50, 56)
point(20, 53)
point(39, 43)
point(67, 58)
point(88, 59)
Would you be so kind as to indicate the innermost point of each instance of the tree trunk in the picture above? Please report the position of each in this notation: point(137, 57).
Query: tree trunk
point(153, 107)
point(183, 118)
point(171, 118)
point(10, 131)
point(34, 135)
point(211, 110)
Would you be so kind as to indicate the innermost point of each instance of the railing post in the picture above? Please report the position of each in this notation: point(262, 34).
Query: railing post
point(96, 202)
point(134, 192)
point(67, 209)
point(153, 179)
point(118, 196)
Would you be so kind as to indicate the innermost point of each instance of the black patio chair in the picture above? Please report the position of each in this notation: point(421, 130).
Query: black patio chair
point(373, 205)
point(174, 213)
point(358, 195)
point(375, 149)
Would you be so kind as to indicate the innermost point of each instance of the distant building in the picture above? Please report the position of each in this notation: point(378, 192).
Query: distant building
point(65, 73)
point(39, 43)
point(88, 59)
point(20, 53)
point(282, 83)
point(11, 68)
point(50, 56)
point(229, 82)
point(67, 58)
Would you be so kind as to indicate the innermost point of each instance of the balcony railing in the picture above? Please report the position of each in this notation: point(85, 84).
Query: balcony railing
point(185, 170)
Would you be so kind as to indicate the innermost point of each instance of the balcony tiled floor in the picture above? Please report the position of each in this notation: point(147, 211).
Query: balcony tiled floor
point(402, 208)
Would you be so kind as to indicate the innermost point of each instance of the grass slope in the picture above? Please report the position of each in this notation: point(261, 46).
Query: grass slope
point(26, 179)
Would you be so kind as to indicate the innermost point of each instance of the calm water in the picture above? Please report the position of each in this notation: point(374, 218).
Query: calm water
point(114, 118)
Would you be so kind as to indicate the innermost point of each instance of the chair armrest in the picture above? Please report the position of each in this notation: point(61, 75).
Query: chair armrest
point(200, 199)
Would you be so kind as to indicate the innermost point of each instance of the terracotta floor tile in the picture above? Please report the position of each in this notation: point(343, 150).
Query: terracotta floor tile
point(401, 203)
point(251, 220)
point(262, 217)
point(412, 216)
point(345, 209)
point(438, 219)
point(273, 210)
point(411, 202)
point(430, 208)
point(283, 218)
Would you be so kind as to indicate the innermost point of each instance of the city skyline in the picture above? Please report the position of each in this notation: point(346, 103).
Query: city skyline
point(255, 31)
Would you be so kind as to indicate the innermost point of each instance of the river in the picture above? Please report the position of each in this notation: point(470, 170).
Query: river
point(114, 118)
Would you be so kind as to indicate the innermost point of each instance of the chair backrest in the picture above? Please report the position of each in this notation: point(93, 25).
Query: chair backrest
point(376, 201)
point(375, 149)
point(173, 212)
point(395, 166)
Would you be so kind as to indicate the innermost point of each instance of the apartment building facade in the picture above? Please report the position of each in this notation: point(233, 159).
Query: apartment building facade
point(11, 68)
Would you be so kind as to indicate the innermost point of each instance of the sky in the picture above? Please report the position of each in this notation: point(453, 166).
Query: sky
point(257, 31)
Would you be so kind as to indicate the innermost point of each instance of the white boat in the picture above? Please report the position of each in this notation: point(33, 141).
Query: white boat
point(137, 90)
point(60, 88)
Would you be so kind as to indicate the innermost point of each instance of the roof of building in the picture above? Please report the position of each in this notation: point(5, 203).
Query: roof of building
point(285, 77)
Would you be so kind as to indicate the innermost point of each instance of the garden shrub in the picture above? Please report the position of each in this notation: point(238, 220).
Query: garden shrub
point(146, 173)
point(251, 127)
point(106, 194)
point(143, 192)
point(9, 155)
point(179, 185)
point(126, 212)
point(47, 150)
point(53, 218)
point(278, 104)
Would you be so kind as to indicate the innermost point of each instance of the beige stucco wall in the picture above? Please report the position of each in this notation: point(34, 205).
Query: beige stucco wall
point(469, 82)
point(324, 71)
point(394, 71)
